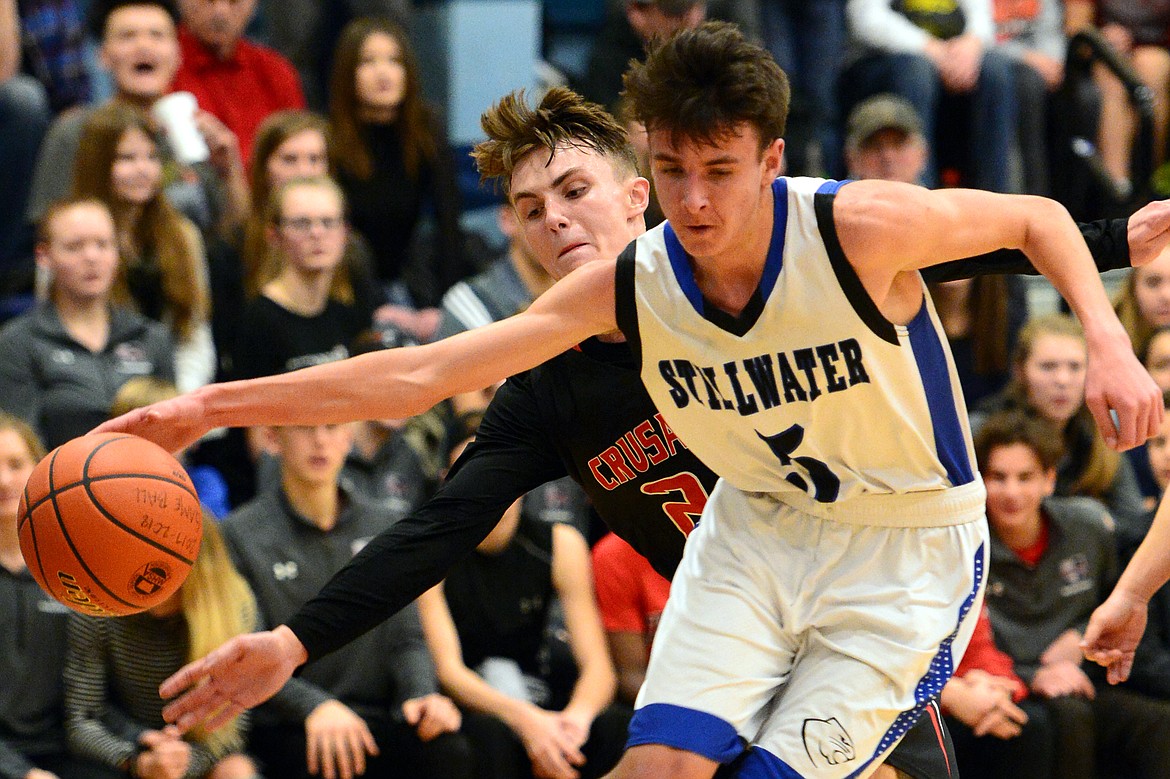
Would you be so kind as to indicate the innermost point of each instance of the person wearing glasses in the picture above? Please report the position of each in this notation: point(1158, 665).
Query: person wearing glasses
point(306, 315)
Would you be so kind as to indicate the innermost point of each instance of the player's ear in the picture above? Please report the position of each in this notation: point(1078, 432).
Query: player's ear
point(774, 159)
point(639, 195)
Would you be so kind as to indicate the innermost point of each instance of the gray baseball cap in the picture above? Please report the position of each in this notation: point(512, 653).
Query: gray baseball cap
point(881, 112)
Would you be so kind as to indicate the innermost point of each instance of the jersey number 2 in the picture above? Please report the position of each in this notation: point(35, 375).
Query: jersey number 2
point(683, 513)
point(825, 483)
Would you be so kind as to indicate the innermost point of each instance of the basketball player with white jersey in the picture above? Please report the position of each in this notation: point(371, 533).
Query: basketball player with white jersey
point(827, 588)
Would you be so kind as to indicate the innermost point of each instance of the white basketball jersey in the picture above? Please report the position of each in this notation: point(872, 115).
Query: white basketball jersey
point(810, 391)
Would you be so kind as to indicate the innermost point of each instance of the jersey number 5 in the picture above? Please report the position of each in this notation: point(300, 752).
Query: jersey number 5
point(683, 513)
point(825, 483)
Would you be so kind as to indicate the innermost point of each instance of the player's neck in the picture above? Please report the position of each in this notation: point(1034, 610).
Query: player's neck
point(320, 503)
point(729, 278)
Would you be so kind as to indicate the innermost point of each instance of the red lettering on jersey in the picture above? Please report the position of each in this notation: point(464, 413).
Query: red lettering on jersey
point(684, 513)
point(602, 479)
point(668, 434)
point(634, 453)
point(613, 458)
point(650, 442)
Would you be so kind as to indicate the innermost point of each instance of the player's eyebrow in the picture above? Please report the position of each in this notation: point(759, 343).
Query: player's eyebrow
point(725, 159)
point(516, 196)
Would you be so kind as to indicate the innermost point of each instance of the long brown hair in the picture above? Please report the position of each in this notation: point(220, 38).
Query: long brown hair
point(416, 123)
point(1102, 463)
point(987, 310)
point(274, 131)
point(159, 228)
point(1130, 314)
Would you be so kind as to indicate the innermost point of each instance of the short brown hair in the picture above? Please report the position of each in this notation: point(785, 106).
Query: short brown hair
point(701, 83)
point(1019, 427)
point(563, 118)
point(44, 234)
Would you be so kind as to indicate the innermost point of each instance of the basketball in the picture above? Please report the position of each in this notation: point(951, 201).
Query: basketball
point(109, 524)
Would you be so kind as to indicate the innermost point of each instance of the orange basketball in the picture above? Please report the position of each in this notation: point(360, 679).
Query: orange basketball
point(109, 524)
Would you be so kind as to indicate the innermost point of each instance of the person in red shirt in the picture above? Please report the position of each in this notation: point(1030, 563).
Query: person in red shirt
point(631, 596)
point(236, 80)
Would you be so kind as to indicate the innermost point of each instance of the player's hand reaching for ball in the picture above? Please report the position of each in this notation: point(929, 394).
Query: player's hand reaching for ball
point(173, 424)
point(1113, 634)
point(337, 740)
point(1148, 232)
point(242, 673)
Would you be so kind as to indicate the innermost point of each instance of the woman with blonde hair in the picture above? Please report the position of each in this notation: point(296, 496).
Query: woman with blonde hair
point(1048, 381)
point(116, 665)
point(32, 638)
point(163, 272)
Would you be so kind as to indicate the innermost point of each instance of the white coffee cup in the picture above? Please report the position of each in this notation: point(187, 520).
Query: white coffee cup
point(176, 113)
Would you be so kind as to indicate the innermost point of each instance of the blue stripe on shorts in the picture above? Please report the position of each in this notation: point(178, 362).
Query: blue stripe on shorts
point(683, 728)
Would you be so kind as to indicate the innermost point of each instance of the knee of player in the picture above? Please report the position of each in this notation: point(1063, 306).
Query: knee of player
point(653, 761)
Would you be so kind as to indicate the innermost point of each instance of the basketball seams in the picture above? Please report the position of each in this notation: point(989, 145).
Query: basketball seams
point(69, 540)
point(112, 477)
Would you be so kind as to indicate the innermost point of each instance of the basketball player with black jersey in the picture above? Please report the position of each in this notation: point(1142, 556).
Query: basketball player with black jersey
point(583, 306)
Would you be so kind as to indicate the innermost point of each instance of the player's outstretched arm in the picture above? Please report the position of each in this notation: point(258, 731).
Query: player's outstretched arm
point(1117, 625)
point(887, 229)
point(391, 384)
point(242, 673)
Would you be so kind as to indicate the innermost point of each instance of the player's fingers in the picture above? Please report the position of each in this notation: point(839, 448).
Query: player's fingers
point(191, 708)
point(1103, 419)
point(183, 678)
point(1127, 418)
point(313, 752)
point(223, 716)
point(328, 757)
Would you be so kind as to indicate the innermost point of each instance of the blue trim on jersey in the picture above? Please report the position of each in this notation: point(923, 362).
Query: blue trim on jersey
point(832, 187)
point(775, 259)
point(762, 764)
point(682, 269)
point(942, 667)
point(682, 728)
point(949, 441)
point(772, 263)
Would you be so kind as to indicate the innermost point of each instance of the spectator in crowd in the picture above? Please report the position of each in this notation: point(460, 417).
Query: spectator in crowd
point(24, 118)
point(53, 42)
point(982, 316)
point(391, 157)
point(1032, 35)
point(32, 638)
point(486, 625)
point(630, 596)
point(1052, 561)
point(928, 55)
point(1156, 357)
point(295, 144)
point(507, 287)
point(625, 36)
point(1140, 32)
point(140, 49)
point(300, 317)
point(163, 268)
point(208, 482)
point(236, 80)
point(1143, 304)
point(113, 668)
point(306, 31)
point(1048, 381)
point(62, 362)
point(807, 40)
point(373, 708)
point(998, 729)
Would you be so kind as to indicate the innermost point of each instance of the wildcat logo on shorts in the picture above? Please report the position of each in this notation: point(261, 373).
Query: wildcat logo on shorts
point(826, 742)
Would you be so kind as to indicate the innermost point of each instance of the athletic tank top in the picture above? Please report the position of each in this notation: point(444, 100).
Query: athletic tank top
point(810, 392)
